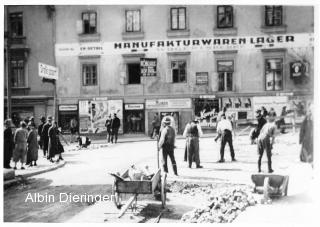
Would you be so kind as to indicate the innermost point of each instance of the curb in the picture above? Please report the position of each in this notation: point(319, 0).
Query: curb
point(20, 178)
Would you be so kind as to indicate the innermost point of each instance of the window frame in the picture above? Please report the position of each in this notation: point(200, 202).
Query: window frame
point(16, 21)
point(17, 67)
point(126, 21)
point(274, 10)
point(91, 79)
point(179, 76)
point(225, 75)
point(225, 14)
point(178, 24)
point(83, 24)
point(273, 73)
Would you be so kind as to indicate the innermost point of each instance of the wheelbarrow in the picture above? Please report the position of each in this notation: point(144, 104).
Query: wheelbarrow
point(155, 186)
point(271, 185)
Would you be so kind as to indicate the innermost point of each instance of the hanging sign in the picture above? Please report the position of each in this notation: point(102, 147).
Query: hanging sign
point(148, 66)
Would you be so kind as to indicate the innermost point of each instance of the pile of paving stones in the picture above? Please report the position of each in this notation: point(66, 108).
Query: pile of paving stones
point(224, 205)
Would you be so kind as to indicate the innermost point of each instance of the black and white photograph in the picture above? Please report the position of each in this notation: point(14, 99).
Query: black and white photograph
point(160, 112)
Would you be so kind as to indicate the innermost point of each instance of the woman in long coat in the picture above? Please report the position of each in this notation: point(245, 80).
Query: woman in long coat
point(306, 139)
point(32, 152)
point(8, 144)
point(55, 146)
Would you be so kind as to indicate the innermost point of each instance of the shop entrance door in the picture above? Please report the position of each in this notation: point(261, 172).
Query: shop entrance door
point(133, 121)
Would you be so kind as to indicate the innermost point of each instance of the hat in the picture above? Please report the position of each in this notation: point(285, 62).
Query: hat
point(42, 118)
point(50, 118)
point(8, 122)
point(167, 120)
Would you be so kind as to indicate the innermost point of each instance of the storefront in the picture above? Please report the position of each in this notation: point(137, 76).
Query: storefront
point(180, 109)
point(133, 118)
point(66, 114)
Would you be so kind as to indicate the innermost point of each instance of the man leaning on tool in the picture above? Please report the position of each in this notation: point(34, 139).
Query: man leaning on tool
point(166, 142)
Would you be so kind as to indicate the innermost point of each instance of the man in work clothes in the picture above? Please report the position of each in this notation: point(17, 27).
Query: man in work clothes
point(166, 142)
point(193, 132)
point(115, 125)
point(224, 129)
point(266, 140)
point(45, 136)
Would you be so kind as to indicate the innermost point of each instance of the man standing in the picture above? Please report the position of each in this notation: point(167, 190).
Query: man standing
point(73, 129)
point(224, 129)
point(20, 140)
point(261, 121)
point(40, 127)
point(8, 144)
point(32, 152)
point(45, 136)
point(115, 125)
point(193, 132)
point(266, 140)
point(166, 142)
point(108, 126)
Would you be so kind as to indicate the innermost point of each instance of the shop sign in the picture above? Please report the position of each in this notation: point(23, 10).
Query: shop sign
point(68, 107)
point(202, 78)
point(296, 69)
point(168, 103)
point(148, 66)
point(207, 97)
point(48, 71)
point(133, 106)
point(187, 44)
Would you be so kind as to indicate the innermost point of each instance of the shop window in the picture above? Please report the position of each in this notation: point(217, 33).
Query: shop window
point(89, 74)
point(16, 24)
point(273, 73)
point(225, 74)
point(273, 15)
point(178, 18)
point(89, 20)
point(179, 71)
point(17, 74)
point(133, 21)
point(225, 16)
point(133, 73)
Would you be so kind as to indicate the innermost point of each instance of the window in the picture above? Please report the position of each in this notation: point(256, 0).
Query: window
point(178, 71)
point(89, 21)
point(89, 74)
point(17, 73)
point(225, 16)
point(273, 15)
point(133, 21)
point(225, 71)
point(16, 24)
point(133, 73)
point(273, 72)
point(178, 18)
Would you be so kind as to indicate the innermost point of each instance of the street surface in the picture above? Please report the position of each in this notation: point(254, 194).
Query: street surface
point(86, 171)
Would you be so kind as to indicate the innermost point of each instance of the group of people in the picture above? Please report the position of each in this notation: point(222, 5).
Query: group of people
point(112, 125)
point(22, 145)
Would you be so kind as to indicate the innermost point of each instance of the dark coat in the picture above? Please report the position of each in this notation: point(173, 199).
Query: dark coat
point(8, 145)
point(55, 146)
point(32, 153)
point(306, 139)
point(115, 123)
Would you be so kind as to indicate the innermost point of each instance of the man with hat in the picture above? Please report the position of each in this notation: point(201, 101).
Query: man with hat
point(115, 125)
point(20, 140)
point(266, 139)
point(8, 143)
point(40, 127)
point(45, 136)
point(256, 131)
point(224, 129)
point(166, 142)
point(32, 152)
point(192, 132)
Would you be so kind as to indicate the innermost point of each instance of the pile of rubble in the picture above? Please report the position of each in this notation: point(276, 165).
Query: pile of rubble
point(224, 206)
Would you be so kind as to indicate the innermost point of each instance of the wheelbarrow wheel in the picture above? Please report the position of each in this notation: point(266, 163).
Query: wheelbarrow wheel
point(116, 196)
point(163, 189)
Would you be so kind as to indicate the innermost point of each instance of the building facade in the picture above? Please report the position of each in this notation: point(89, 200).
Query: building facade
point(185, 60)
point(29, 39)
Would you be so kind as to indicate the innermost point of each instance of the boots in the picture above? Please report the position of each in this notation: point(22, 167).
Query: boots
point(174, 166)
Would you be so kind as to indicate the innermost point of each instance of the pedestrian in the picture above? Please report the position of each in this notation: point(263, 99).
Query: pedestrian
point(115, 125)
point(40, 127)
point(84, 141)
point(55, 146)
point(73, 129)
point(108, 126)
point(186, 134)
point(8, 144)
point(264, 112)
point(266, 140)
point(20, 140)
point(306, 138)
point(156, 123)
point(261, 121)
point(224, 129)
point(281, 123)
point(32, 151)
point(192, 133)
point(45, 136)
point(166, 143)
